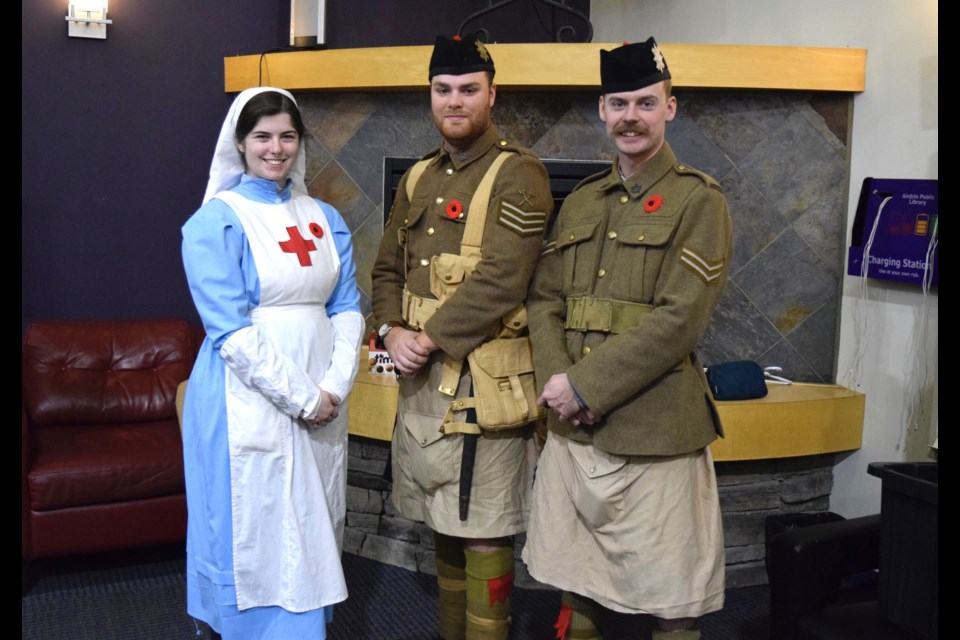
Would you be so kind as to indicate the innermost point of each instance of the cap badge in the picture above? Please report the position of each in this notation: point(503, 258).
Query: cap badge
point(658, 58)
point(482, 50)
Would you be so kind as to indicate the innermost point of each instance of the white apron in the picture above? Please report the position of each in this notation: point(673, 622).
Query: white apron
point(287, 480)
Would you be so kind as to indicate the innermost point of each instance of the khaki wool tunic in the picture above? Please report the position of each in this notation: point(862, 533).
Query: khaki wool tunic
point(626, 510)
point(426, 463)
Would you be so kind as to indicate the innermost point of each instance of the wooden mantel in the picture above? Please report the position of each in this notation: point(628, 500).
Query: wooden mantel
point(555, 67)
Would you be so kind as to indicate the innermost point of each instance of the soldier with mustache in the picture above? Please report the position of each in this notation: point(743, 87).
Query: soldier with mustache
point(625, 513)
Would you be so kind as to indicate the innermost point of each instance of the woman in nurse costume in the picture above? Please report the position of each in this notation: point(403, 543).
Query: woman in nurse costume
point(272, 276)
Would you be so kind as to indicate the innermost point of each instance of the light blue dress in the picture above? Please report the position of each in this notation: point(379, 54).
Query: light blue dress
point(265, 494)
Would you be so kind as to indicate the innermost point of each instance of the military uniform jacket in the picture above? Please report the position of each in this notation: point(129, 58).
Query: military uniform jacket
point(662, 238)
point(432, 222)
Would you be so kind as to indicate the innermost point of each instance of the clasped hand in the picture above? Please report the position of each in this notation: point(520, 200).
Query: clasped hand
point(558, 395)
point(408, 349)
point(327, 411)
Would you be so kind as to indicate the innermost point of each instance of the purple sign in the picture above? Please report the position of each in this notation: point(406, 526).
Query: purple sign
point(895, 235)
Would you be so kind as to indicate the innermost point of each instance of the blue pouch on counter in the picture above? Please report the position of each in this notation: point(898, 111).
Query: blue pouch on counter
point(737, 380)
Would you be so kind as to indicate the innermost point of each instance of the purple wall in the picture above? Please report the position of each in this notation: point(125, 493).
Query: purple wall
point(117, 135)
point(389, 23)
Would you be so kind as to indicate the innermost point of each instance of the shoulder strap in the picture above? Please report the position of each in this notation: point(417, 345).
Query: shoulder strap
point(477, 215)
point(470, 253)
point(415, 172)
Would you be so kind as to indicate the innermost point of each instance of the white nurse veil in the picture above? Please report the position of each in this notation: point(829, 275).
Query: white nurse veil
point(227, 165)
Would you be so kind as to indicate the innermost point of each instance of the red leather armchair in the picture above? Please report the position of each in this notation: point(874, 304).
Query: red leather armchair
point(101, 454)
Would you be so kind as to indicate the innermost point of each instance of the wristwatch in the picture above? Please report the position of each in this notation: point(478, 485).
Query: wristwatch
point(383, 331)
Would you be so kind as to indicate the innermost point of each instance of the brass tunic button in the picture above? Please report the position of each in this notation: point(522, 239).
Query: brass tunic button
point(430, 231)
point(405, 221)
point(571, 237)
point(601, 273)
point(682, 167)
point(449, 171)
point(612, 235)
point(424, 262)
point(439, 199)
point(641, 237)
point(460, 216)
point(585, 350)
point(624, 199)
point(504, 143)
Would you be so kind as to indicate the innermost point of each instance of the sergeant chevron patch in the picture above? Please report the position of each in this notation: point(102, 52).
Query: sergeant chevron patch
point(523, 223)
point(707, 271)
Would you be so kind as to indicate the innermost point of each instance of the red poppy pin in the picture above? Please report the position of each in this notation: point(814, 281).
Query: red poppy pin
point(316, 229)
point(454, 209)
point(652, 204)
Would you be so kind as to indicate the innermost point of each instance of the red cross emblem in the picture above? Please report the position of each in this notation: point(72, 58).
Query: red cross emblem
point(299, 245)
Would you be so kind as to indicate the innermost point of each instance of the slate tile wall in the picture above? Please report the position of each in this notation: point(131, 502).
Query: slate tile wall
point(781, 158)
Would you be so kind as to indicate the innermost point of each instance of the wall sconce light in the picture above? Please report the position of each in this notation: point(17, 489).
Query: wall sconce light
point(87, 19)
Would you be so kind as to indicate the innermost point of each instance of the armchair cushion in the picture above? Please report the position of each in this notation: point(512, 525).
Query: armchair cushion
point(119, 462)
point(80, 373)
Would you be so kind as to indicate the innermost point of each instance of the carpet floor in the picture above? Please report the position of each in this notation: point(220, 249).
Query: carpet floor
point(146, 601)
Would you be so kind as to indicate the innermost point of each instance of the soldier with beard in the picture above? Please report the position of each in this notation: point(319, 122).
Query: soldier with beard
point(424, 335)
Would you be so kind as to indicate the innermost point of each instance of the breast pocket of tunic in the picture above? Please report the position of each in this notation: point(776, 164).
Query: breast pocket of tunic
point(419, 206)
point(452, 208)
point(640, 252)
point(578, 252)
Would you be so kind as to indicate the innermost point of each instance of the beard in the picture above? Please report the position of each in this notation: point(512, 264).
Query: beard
point(462, 132)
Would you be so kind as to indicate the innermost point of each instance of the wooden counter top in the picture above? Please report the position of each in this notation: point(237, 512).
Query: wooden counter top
point(796, 420)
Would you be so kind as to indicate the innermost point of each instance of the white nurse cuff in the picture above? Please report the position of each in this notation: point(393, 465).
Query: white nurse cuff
point(253, 359)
